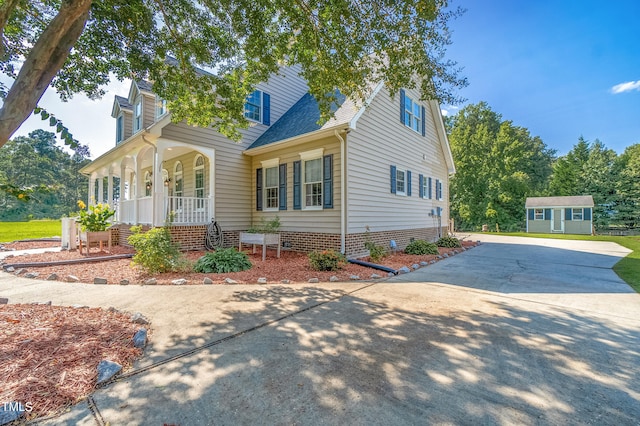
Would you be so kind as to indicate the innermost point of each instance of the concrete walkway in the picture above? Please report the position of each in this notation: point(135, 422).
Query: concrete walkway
point(515, 331)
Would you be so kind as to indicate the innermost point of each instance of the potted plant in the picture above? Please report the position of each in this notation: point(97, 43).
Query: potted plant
point(265, 234)
point(94, 224)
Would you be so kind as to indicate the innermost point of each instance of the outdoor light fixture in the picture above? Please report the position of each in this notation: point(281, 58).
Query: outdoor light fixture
point(167, 181)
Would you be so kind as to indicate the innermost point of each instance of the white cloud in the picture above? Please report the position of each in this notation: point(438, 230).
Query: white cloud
point(626, 87)
point(444, 112)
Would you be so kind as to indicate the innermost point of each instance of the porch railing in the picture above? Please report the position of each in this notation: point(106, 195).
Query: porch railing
point(187, 210)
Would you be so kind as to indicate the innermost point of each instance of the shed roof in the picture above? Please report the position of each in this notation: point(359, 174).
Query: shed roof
point(571, 201)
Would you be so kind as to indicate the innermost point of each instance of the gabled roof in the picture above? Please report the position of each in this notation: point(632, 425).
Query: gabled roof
point(572, 201)
point(120, 104)
point(145, 86)
point(303, 118)
point(123, 102)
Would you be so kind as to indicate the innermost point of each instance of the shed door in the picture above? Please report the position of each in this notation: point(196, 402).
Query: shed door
point(557, 220)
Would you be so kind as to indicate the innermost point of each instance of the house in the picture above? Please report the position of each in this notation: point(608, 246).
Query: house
point(562, 215)
point(382, 167)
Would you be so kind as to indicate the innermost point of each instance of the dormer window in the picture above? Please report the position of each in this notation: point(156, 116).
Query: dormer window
point(161, 107)
point(119, 128)
point(137, 115)
point(257, 107)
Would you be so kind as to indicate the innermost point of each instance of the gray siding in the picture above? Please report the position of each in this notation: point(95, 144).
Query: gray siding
point(380, 141)
point(148, 110)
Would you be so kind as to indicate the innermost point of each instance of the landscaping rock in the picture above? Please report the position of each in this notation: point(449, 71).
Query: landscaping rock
point(10, 269)
point(438, 257)
point(124, 282)
point(207, 281)
point(79, 306)
point(230, 281)
point(314, 281)
point(106, 370)
point(285, 281)
point(150, 281)
point(179, 281)
point(391, 274)
point(52, 277)
point(431, 262)
point(10, 412)
point(3, 300)
point(138, 318)
point(423, 263)
point(99, 280)
point(404, 270)
point(31, 275)
point(334, 279)
point(415, 266)
point(354, 277)
point(445, 255)
point(375, 276)
point(20, 271)
point(262, 280)
point(71, 279)
point(45, 303)
point(140, 338)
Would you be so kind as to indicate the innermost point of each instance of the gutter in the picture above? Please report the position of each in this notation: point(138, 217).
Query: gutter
point(343, 193)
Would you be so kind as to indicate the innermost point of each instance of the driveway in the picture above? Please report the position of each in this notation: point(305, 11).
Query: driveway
point(515, 331)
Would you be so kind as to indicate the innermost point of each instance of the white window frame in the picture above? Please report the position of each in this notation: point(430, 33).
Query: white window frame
point(412, 114)
point(425, 187)
point(199, 192)
point(120, 128)
point(259, 106)
point(161, 107)
point(316, 154)
point(579, 211)
point(538, 214)
point(270, 165)
point(440, 196)
point(137, 115)
point(402, 172)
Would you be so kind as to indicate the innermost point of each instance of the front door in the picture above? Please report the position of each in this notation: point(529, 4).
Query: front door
point(557, 222)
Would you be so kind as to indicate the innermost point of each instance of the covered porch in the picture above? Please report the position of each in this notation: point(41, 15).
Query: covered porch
point(153, 181)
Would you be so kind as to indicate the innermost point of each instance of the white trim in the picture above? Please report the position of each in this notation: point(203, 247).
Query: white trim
point(274, 162)
point(354, 120)
point(261, 106)
point(404, 172)
point(311, 155)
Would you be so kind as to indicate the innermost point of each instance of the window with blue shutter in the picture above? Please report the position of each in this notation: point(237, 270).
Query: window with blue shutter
point(393, 179)
point(547, 214)
point(259, 189)
point(424, 132)
point(266, 109)
point(531, 214)
point(409, 183)
point(587, 213)
point(438, 190)
point(567, 214)
point(327, 181)
point(297, 189)
point(402, 119)
point(283, 187)
point(421, 186)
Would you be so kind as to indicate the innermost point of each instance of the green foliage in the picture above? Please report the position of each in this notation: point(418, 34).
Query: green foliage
point(155, 252)
point(65, 135)
point(223, 261)
point(339, 44)
point(12, 231)
point(421, 247)
point(376, 252)
point(96, 219)
point(449, 242)
point(327, 260)
point(266, 227)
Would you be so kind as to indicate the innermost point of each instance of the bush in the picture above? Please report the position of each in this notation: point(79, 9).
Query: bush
point(266, 227)
point(376, 252)
point(327, 260)
point(223, 261)
point(449, 242)
point(421, 247)
point(155, 252)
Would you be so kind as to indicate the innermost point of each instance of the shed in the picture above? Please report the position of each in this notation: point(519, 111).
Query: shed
point(560, 215)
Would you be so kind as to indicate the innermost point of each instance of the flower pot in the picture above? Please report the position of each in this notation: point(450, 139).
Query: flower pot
point(262, 239)
point(89, 237)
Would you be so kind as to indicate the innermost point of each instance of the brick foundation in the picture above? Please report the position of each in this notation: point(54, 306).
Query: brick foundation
point(355, 242)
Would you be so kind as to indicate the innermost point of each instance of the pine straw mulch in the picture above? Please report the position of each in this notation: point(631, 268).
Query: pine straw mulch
point(291, 267)
point(49, 354)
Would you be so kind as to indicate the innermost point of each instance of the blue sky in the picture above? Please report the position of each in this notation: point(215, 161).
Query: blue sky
point(549, 66)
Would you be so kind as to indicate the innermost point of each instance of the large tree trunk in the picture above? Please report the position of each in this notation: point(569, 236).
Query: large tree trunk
point(42, 64)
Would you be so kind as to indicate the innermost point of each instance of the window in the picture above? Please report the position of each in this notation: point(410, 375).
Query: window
point(425, 188)
point(313, 183)
point(412, 114)
point(438, 189)
point(271, 185)
point(576, 214)
point(538, 214)
point(198, 169)
point(147, 184)
point(178, 186)
point(161, 107)
point(119, 129)
point(137, 115)
point(253, 106)
point(400, 181)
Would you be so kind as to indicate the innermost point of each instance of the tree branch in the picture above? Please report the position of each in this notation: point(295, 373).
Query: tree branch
point(5, 12)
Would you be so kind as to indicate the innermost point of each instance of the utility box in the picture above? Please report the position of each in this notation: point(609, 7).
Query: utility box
point(69, 233)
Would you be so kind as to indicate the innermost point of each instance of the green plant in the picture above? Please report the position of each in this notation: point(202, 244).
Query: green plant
point(449, 242)
point(266, 227)
point(155, 252)
point(326, 260)
point(223, 261)
point(96, 219)
point(421, 247)
point(376, 252)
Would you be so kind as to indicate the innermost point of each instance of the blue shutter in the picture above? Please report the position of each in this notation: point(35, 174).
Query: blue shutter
point(327, 181)
point(282, 191)
point(266, 109)
point(297, 195)
point(437, 189)
point(567, 214)
point(401, 107)
point(587, 213)
point(259, 189)
point(532, 214)
point(393, 179)
point(421, 186)
point(409, 183)
point(430, 188)
point(547, 214)
point(424, 132)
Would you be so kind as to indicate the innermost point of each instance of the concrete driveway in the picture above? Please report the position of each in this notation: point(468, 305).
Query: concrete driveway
point(515, 331)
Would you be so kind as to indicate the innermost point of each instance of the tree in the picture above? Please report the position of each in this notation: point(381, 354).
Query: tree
point(627, 199)
point(497, 166)
point(76, 46)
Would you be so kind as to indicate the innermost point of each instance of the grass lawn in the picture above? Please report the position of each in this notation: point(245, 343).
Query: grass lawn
point(12, 231)
point(627, 268)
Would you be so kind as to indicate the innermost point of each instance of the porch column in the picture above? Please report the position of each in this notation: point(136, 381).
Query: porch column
point(110, 188)
point(91, 189)
point(100, 197)
point(158, 184)
point(123, 180)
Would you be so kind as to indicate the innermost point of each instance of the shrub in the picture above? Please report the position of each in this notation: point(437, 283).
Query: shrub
point(421, 247)
point(266, 227)
point(327, 260)
point(223, 261)
point(376, 252)
point(155, 252)
point(449, 242)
